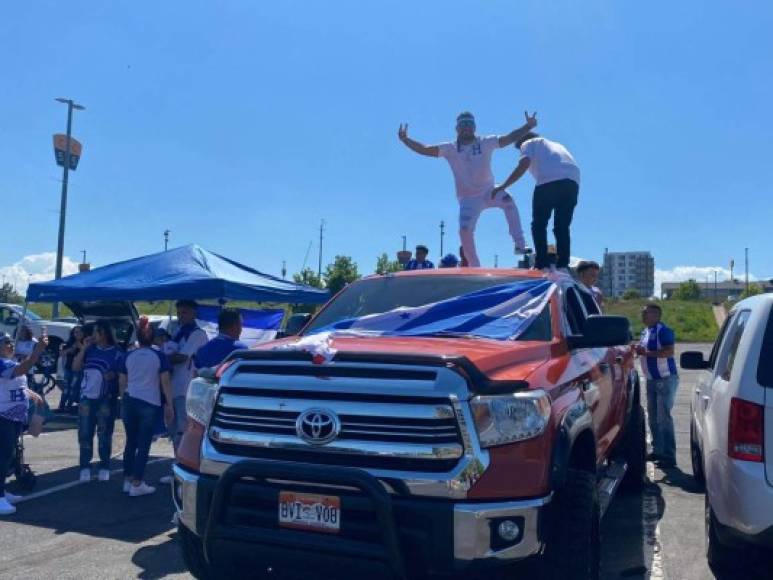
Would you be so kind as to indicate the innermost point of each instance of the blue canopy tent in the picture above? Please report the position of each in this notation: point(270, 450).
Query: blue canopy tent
point(186, 272)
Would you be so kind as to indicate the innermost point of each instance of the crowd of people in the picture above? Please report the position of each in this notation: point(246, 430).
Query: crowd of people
point(145, 385)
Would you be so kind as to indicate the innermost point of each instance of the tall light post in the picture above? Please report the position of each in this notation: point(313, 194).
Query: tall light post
point(63, 207)
point(442, 235)
point(166, 239)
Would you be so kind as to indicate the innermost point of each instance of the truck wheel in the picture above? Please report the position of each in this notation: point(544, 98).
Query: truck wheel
point(573, 542)
point(720, 556)
point(696, 458)
point(193, 554)
point(634, 450)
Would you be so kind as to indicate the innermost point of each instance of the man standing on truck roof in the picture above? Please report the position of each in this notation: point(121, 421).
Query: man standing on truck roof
point(470, 160)
point(558, 184)
point(656, 349)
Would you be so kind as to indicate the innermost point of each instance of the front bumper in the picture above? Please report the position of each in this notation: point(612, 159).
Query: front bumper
point(405, 536)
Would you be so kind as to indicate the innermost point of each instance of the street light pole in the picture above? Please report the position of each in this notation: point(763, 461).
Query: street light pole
point(715, 287)
point(442, 235)
point(166, 239)
point(63, 206)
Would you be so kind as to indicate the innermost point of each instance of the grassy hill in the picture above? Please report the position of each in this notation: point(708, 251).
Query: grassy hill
point(692, 321)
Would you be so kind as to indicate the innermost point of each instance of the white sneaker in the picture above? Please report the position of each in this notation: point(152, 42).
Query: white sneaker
point(6, 509)
point(126, 485)
point(522, 250)
point(12, 497)
point(85, 475)
point(166, 480)
point(104, 475)
point(141, 489)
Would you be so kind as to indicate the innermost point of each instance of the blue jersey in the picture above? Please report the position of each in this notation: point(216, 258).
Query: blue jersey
point(416, 265)
point(216, 350)
point(656, 338)
point(98, 362)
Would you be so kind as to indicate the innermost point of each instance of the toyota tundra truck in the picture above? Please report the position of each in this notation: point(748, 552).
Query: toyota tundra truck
point(421, 456)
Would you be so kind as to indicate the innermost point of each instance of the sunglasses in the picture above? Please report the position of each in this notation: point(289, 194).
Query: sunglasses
point(465, 124)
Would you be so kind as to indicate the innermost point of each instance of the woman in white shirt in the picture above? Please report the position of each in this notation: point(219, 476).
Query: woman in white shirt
point(143, 374)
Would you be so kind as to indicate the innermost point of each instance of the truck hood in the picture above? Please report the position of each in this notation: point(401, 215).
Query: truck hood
point(498, 360)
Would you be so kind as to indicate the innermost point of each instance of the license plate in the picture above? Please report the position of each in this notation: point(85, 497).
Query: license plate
point(311, 512)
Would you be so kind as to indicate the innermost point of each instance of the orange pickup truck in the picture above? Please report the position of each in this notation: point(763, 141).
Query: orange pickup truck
point(413, 456)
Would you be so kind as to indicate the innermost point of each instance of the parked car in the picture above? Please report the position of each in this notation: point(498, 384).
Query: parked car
point(11, 316)
point(731, 432)
point(412, 457)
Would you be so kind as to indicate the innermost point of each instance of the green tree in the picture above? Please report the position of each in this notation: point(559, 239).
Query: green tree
point(8, 294)
point(631, 294)
point(309, 277)
point(688, 291)
point(341, 272)
point(753, 290)
point(384, 265)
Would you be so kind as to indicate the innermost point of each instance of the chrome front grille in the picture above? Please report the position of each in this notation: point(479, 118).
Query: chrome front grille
point(381, 431)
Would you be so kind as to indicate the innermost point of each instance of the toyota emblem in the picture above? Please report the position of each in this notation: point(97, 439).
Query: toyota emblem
point(318, 426)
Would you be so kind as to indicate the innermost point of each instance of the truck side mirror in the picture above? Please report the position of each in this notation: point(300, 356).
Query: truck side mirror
point(601, 331)
point(693, 360)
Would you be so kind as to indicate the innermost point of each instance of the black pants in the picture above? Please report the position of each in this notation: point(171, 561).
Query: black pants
point(9, 432)
point(559, 197)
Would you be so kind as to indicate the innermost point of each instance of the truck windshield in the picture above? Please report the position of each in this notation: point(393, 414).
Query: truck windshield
point(376, 295)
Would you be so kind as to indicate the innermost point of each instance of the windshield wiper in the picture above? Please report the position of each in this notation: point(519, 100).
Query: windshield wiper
point(448, 334)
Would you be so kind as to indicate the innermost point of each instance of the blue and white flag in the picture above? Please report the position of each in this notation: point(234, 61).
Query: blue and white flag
point(259, 325)
point(501, 312)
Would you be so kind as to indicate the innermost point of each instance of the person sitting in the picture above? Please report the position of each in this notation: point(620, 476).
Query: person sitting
point(230, 325)
point(420, 262)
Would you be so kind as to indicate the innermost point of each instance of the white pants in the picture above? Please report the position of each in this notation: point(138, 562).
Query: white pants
point(470, 209)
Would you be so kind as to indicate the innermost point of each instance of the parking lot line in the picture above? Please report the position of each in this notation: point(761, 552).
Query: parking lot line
point(652, 548)
point(69, 484)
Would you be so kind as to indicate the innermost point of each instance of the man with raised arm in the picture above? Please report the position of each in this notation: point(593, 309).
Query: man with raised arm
point(470, 160)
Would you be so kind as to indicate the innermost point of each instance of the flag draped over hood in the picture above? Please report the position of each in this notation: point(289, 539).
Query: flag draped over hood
point(501, 312)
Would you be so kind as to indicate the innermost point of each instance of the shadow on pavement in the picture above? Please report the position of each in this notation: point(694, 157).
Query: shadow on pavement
point(628, 534)
point(100, 509)
point(159, 560)
point(675, 477)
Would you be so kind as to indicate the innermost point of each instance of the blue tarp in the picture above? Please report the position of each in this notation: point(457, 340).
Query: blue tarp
point(186, 272)
point(501, 312)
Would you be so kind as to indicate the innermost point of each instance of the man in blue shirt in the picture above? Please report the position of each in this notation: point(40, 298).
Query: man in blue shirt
point(420, 262)
point(229, 324)
point(656, 349)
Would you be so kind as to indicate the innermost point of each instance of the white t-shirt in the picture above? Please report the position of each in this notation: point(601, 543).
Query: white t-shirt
point(143, 368)
point(13, 393)
point(182, 373)
point(550, 161)
point(471, 165)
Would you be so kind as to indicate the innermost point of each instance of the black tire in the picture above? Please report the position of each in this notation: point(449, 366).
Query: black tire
point(573, 535)
point(720, 556)
point(50, 358)
point(634, 451)
point(193, 554)
point(696, 458)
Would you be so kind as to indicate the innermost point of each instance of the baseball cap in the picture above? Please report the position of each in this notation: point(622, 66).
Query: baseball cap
point(449, 261)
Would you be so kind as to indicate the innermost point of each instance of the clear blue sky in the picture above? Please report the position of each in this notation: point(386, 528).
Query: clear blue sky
point(239, 125)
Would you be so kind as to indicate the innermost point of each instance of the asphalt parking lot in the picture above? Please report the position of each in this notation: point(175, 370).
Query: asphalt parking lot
point(92, 530)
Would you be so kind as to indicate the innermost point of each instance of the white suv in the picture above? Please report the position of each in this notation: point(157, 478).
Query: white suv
point(732, 432)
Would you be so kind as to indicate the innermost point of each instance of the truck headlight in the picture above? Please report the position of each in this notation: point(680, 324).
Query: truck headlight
point(504, 419)
point(200, 400)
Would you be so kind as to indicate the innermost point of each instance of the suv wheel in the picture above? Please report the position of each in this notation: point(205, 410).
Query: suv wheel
point(720, 556)
point(573, 540)
point(697, 459)
point(634, 450)
point(193, 554)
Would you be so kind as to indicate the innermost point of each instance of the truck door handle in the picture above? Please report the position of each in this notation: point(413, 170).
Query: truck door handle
point(705, 400)
point(619, 359)
point(697, 391)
